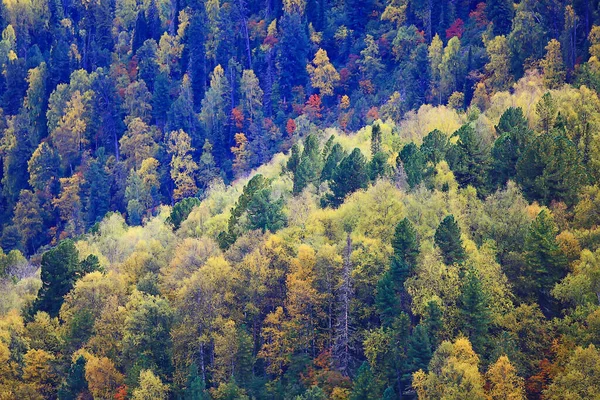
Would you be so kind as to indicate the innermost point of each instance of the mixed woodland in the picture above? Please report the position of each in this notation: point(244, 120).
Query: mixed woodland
point(299, 199)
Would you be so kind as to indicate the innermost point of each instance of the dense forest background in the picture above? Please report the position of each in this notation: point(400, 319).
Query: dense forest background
point(299, 199)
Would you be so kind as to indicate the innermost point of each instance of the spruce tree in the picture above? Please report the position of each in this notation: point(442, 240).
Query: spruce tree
point(515, 137)
point(434, 146)
point(414, 164)
point(75, 385)
point(349, 176)
point(375, 140)
point(500, 14)
point(545, 263)
point(378, 166)
point(309, 167)
point(447, 238)
point(419, 351)
point(334, 157)
point(469, 159)
point(365, 385)
point(474, 311)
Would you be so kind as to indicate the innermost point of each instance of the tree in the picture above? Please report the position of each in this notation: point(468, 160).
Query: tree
point(545, 263)
point(98, 198)
point(434, 146)
point(448, 240)
point(418, 353)
point(214, 114)
point(550, 169)
point(504, 383)
point(69, 137)
point(151, 387)
point(349, 176)
point(498, 67)
point(309, 166)
point(453, 374)
point(365, 386)
point(323, 74)
point(264, 213)
point(138, 144)
point(60, 268)
point(469, 159)
point(292, 53)
point(582, 286)
point(514, 137)
point(474, 310)
point(75, 384)
point(579, 380)
point(183, 167)
point(182, 210)
point(334, 157)
point(500, 14)
point(414, 164)
point(553, 65)
point(28, 219)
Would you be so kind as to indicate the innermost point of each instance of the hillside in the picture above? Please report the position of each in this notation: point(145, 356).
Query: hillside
point(306, 199)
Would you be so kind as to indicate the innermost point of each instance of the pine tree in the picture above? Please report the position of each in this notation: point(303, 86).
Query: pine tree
point(474, 310)
point(264, 213)
point(98, 199)
point(75, 385)
point(365, 386)
point(434, 146)
point(419, 351)
point(378, 166)
point(469, 159)
point(500, 13)
point(309, 166)
point(335, 156)
point(375, 139)
point(545, 263)
point(551, 169)
point(414, 163)
point(515, 137)
point(448, 240)
point(195, 388)
point(349, 176)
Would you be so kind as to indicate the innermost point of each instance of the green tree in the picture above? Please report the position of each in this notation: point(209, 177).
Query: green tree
point(264, 213)
point(182, 210)
point(448, 240)
point(335, 156)
point(309, 167)
point(434, 146)
point(550, 169)
point(514, 137)
point(150, 388)
point(349, 176)
point(469, 159)
point(365, 386)
point(418, 352)
point(75, 384)
point(60, 268)
point(500, 14)
point(474, 310)
point(28, 219)
point(545, 263)
point(414, 164)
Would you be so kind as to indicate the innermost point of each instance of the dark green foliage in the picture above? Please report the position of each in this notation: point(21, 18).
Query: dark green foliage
point(256, 184)
point(293, 54)
point(75, 384)
point(60, 269)
point(474, 311)
point(469, 159)
point(433, 321)
point(365, 386)
point(551, 169)
point(349, 176)
point(378, 166)
point(309, 167)
point(334, 157)
point(294, 160)
point(314, 393)
point(405, 242)
point(545, 263)
point(434, 146)
point(414, 164)
point(386, 299)
point(418, 351)
point(98, 201)
point(515, 137)
point(182, 210)
point(448, 240)
point(264, 213)
point(500, 13)
point(195, 388)
point(375, 139)
point(389, 394)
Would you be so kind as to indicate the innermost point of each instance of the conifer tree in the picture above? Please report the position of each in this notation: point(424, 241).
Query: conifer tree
point(469, 159)
point(474, 310)
point(349, 176)
point(414, 163)
point(419, 350)
point(435, 146)
point(448, 240)
point(365, 386)
point(75, 385)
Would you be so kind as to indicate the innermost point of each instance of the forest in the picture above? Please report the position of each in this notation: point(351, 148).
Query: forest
point(299, 199)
